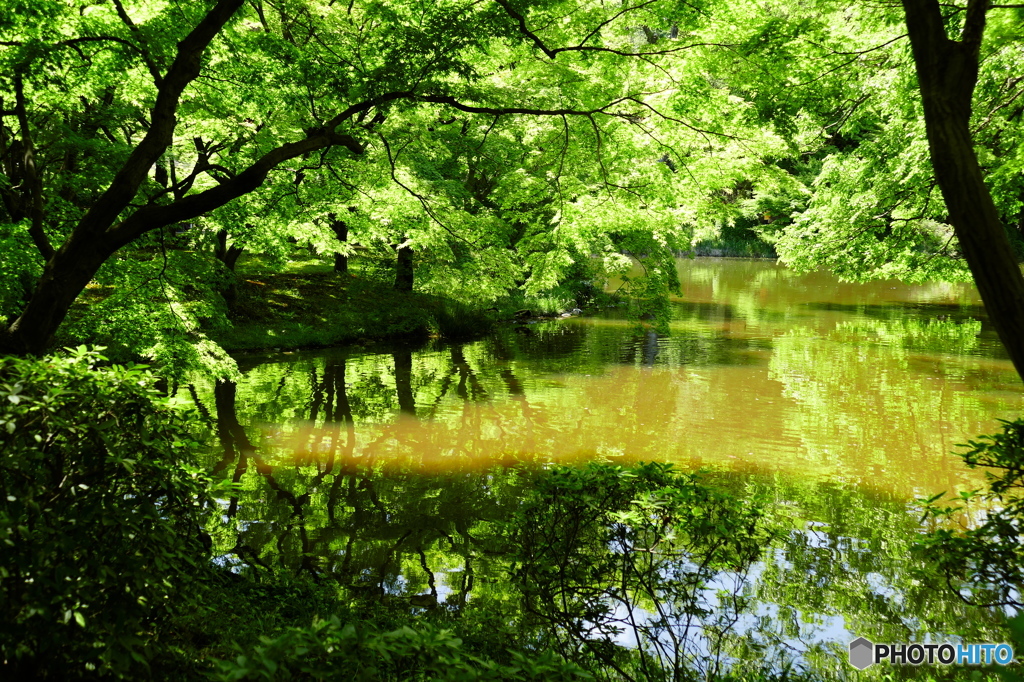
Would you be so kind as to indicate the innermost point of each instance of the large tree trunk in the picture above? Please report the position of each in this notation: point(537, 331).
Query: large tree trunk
point(340, 229)
point(947, 72)
point(98, 235)
point(404, 269)
point(64, 276)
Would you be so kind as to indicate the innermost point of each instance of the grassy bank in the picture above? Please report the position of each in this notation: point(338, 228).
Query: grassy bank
point(308, 305)
point(287, 310)
point(179, 320)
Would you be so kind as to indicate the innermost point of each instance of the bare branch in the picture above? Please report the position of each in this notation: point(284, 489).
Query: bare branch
point(524, 30)
point(974, 26)
point(582, 47)
point(860, 52)
point(649, 53)
point(419, 197)
point(72, 42)
point(603, 110)
point(991, 114)
point(152, 216)
point(613, 18)
point(486, 132)
point(680, 121)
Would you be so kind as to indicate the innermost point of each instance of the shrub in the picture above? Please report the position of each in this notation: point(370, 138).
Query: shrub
point(985, 563)
point(329, 650)
point(100, 517)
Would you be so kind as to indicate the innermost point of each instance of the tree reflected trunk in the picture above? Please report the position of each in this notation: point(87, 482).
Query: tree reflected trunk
point(338, 411)
point(650, 348)
point(236, 443)
point(469, 387)
point(403, 382)
point(232, 437)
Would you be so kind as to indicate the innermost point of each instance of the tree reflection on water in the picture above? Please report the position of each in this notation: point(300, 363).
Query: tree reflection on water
point(428, 480)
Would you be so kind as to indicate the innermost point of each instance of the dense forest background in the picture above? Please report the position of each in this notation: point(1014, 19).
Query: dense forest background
point(490, 147)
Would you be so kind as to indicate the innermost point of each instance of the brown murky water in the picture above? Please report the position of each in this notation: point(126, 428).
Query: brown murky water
point(765, 371)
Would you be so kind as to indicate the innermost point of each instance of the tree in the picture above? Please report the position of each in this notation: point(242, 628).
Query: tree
point(96, 236)
point(947, 72)
point(328, 80)
point(859, 198)
point(838, 83)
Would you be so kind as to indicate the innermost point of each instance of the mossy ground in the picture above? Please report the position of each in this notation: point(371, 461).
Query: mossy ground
point(308, 305)
point(300, 302)
point(305, 304)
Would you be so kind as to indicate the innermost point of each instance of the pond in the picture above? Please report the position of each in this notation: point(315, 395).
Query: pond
point(388, 469)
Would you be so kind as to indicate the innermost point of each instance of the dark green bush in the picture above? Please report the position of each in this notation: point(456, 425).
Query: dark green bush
point(329, 650)
point(100, 517)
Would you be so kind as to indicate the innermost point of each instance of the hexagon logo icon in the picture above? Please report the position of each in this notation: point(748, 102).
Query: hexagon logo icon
point(862, 653)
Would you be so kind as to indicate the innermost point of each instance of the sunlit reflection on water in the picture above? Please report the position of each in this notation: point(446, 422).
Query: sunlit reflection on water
point(839, 403)
point(764, 371)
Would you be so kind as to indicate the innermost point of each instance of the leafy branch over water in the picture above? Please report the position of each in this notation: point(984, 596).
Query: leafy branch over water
point(987, 559)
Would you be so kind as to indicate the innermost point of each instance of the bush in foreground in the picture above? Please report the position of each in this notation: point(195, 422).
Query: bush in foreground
point(328, 650)
point(101, 510)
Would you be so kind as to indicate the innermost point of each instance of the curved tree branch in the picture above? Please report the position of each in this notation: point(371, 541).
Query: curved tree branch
point(524, 30)
point(34, 184)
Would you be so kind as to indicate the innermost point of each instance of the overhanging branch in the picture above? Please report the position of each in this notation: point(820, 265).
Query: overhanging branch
point(183, 70)
point(553, 52)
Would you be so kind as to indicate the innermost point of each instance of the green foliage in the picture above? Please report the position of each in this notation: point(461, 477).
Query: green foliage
point(1016, 626)
point(606, 554)
point(455, 321)
point(460, 147)
point(101, 508)
point(328, 650)
point(987, 556)
point(156, 305)
point(18, 269)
